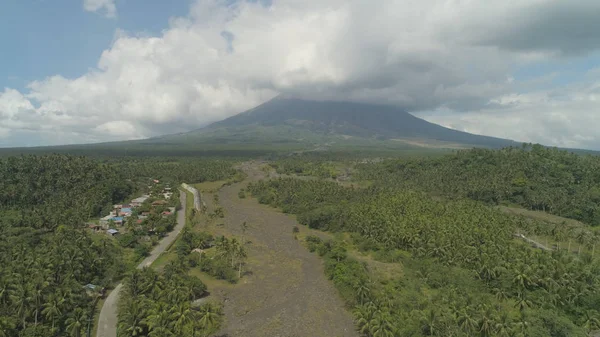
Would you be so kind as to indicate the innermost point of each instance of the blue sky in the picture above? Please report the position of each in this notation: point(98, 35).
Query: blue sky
point(47, 37)
point(526, 70)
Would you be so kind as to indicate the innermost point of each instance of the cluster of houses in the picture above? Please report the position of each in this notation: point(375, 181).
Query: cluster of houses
point(122, 212)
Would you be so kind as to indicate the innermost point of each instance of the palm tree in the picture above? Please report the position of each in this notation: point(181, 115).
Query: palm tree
point(363, 317)
point(208, 316)
point(131, 320)
point(503, 326)
point(591, 320)
point(20, 297)
point(75, 322)
point(52, 308)
point(160, 320)
point(522, 301)
point(183, 316)
point(486, 322)
point(429, 323)
point(466, 321)
point(381, 326)
point(363, 291)
point(582, 239)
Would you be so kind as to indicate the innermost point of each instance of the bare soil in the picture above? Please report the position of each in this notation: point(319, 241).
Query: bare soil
point(284, 291)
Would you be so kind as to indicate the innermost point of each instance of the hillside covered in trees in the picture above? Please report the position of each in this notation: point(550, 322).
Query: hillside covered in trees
point(533, 177)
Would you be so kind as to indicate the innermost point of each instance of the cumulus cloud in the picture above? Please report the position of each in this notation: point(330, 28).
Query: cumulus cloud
point(224, 57)
point(106, 7)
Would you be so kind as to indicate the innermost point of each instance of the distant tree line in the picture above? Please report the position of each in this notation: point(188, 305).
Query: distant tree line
point(534, 177)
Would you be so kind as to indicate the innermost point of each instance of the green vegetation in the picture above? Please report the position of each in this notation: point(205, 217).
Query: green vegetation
point(169, 303)
point(47, 257)
point(220, 257)
point(424, 250)
point(174, 171)
point(54, 269)
point(533, 177)
point(321, 167)
point(46, 191)
point(160, 304)
point(463, 271)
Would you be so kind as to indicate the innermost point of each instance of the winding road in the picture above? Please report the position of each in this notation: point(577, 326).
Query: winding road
point(107, 322)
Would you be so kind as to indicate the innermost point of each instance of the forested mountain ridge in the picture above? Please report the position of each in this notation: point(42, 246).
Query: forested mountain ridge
point(532, 176)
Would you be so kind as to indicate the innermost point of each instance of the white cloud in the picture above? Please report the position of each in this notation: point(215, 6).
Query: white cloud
point(422, 55)
point(107, 7)
point(564, 117)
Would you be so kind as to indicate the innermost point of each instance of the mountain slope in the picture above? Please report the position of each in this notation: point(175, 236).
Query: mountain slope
point(289, 119)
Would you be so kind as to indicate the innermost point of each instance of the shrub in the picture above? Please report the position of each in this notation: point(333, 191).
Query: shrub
point(142, 250)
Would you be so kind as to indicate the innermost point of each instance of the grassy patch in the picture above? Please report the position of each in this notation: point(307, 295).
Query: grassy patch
point(97, 313)
point(210, 186)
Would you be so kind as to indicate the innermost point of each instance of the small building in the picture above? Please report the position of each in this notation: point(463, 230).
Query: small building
point(125, 212)
point(137, 202)
point(159, 203)
point(118, 220)
point(94, 227)
point(166, 213)
point(106, 220)
point(112, 232)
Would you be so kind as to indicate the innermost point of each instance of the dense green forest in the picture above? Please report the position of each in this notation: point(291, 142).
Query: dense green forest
point(534, 177)
point(47, 254)
point(173, 170)
point(160, 304)
point(169, 303)
point(45, 191)
point(463, 271)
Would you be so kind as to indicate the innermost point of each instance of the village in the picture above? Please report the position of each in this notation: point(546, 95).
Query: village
point(148, 214)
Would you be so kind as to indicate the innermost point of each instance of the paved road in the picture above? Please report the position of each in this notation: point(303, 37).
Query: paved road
point(107, 323)
point(196, 194)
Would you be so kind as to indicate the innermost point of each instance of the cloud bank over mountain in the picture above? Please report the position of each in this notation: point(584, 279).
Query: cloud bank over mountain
point(452, 62)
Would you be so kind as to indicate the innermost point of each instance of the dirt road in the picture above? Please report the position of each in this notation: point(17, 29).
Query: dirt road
point(286, 293)
point(107, 322)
